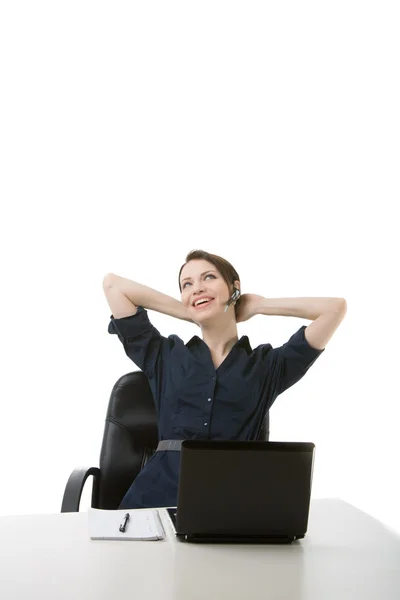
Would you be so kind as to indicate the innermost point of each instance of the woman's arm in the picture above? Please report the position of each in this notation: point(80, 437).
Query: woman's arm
point(141, 295)
point(304, 308)
point(326, 314)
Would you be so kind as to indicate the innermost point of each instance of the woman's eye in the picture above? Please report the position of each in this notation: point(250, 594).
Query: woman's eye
point(209, 275)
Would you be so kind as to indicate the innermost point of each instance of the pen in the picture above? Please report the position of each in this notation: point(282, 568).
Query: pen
point(122, 527)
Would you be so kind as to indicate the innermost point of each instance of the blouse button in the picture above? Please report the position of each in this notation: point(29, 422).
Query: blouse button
point(209, 400)
point(205, 423)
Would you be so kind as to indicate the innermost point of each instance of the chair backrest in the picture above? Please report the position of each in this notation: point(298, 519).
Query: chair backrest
point(131, 437)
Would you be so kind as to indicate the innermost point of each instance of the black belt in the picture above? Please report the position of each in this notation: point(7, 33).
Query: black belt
point(169, 445)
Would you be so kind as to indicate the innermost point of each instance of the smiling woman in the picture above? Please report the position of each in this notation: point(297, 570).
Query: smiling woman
point(209, 286)
point(213, 387)
point(218, 267)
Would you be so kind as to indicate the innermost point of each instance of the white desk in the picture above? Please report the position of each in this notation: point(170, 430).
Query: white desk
point(346, 555)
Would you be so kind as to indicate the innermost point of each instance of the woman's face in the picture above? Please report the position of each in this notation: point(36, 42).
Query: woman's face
point(201, 279)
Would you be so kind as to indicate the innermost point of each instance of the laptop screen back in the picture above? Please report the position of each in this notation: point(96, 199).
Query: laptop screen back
point(244, 488)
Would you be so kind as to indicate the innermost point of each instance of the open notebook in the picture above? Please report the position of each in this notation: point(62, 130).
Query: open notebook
point(141, 525)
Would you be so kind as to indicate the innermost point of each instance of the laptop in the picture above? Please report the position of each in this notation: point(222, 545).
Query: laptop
point(243, 491)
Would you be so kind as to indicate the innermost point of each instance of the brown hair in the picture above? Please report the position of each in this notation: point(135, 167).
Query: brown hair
point(228, 272)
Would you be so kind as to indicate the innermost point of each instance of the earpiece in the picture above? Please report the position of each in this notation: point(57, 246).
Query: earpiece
point(233, 298)
point(235, 295)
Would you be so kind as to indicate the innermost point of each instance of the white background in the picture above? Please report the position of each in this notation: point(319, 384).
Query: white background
point(132, 133)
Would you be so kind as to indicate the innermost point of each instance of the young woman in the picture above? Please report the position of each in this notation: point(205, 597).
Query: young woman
point(216, 387)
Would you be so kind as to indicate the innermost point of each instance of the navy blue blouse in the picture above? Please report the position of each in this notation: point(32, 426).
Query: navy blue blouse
point(195, 400)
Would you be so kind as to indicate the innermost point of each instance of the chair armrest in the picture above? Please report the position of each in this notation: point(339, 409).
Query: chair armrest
point(74, 487)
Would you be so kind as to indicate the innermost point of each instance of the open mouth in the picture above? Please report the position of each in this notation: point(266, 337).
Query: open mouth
point(203, 304)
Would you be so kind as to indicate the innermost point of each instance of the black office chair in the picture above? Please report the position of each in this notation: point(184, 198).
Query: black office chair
point(130, 439)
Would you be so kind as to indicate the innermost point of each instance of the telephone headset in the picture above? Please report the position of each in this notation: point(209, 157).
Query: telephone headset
point(233, 298)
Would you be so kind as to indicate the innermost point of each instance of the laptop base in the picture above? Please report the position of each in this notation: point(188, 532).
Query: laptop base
point(231, 539)
point(235, 540)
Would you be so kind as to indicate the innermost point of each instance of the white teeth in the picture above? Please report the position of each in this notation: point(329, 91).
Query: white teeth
point(202, 301)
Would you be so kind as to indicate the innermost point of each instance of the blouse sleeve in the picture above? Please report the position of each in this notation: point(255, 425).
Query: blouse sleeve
point(142, 342)
point(293, 359)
